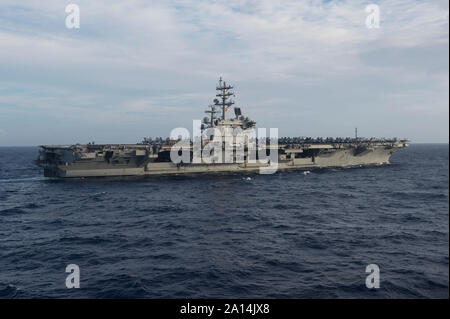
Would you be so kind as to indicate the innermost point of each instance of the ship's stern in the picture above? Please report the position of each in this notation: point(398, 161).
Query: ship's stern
point(53, 159)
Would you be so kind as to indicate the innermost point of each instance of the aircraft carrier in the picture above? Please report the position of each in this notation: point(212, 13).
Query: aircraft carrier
point(226, 152)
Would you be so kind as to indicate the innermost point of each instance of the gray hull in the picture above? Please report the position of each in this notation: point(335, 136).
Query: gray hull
point(324, 156)
point(236, 136)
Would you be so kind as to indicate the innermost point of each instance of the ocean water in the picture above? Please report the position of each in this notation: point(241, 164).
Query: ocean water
point(287, 235)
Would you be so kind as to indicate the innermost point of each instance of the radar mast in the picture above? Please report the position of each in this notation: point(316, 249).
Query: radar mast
point(224, 93)
point(213, 112)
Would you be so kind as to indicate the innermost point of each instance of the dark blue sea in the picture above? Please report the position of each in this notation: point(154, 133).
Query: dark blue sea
point(287, 235)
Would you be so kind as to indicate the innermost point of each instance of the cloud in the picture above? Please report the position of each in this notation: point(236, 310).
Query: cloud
point(137, 61)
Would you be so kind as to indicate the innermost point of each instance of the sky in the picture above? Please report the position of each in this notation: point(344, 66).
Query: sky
point(142, 68)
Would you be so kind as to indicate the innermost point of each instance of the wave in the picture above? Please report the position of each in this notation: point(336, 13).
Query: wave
point(25, 179)
point(12, 211)
point(9, 291)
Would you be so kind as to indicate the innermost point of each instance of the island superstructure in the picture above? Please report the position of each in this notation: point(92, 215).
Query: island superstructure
point(153, 156)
